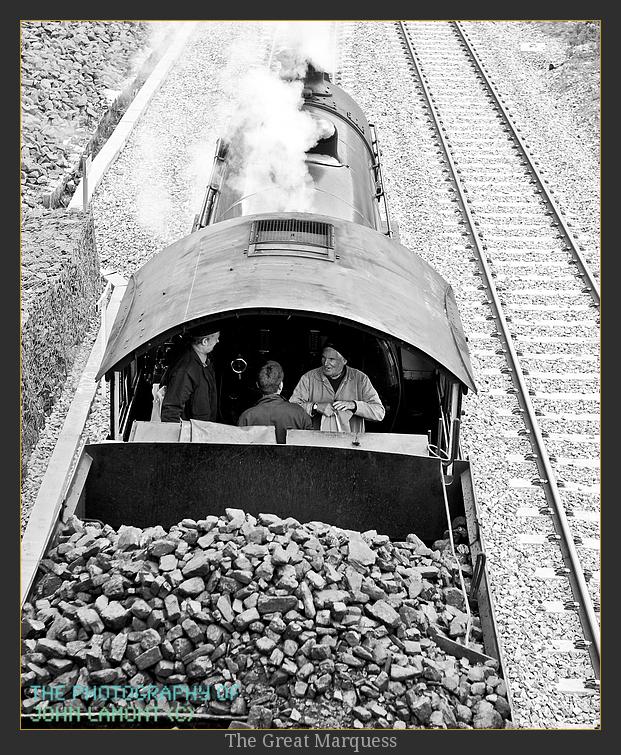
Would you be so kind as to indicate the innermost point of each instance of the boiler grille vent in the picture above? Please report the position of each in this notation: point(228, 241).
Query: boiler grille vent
point(292, 237)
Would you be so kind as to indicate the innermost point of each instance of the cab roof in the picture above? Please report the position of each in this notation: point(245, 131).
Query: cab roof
point(366, 279)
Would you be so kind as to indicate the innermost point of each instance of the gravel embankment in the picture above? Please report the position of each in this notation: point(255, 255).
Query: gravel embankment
point(60, 283)
point(71, 75)
point(310, 614)
point(48, 435)
point(71, 72)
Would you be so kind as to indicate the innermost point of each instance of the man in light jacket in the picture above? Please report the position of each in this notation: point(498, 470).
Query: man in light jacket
point(336, 387)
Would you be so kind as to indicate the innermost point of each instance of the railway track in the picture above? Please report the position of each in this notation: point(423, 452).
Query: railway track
point(543, 299)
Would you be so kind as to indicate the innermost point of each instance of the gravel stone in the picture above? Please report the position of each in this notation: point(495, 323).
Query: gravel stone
point(149, 658)
point(486, 717)
point(193, 586)
point(383, 612)
point(114, 615)
point(359, 553)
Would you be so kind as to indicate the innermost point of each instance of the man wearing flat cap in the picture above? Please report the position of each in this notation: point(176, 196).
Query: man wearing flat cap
point(191, 383)
point(337, 388)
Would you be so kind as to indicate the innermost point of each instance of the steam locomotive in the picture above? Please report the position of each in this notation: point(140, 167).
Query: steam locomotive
point(277, 285)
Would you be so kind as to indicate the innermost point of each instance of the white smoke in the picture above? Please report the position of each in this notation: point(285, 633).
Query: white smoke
point(306, 42)
point(261, 113)
point(270, 131)
point(240, 55)
point(274, 134)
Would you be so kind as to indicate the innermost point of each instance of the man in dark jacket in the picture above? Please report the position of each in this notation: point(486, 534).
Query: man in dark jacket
point(191, 385)
point(272, 408)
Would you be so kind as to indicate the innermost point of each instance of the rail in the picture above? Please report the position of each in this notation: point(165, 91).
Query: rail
point(570, 240)
point(566, 542)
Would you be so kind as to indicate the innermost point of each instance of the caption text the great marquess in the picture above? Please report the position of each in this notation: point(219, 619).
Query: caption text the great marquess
point(317, 739)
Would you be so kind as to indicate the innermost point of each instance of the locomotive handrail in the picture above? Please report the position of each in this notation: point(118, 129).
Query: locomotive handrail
point(213, 187)
point(443, 425)
point(453, 443)
point(206, 210)
point(378, 170)
point(101, 307)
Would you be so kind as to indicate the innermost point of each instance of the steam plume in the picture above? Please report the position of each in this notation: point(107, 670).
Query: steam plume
point(270, 130)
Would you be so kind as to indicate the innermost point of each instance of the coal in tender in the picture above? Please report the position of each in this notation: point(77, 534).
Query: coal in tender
point(291, 617)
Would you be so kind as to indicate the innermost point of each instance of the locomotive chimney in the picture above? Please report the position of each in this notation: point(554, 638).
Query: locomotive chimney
point(315, 74)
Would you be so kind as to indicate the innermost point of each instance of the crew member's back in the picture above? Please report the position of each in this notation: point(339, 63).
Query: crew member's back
point(272, 408)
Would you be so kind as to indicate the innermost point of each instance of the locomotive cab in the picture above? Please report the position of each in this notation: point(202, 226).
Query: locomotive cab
point(410, 385)
point(278, 287)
